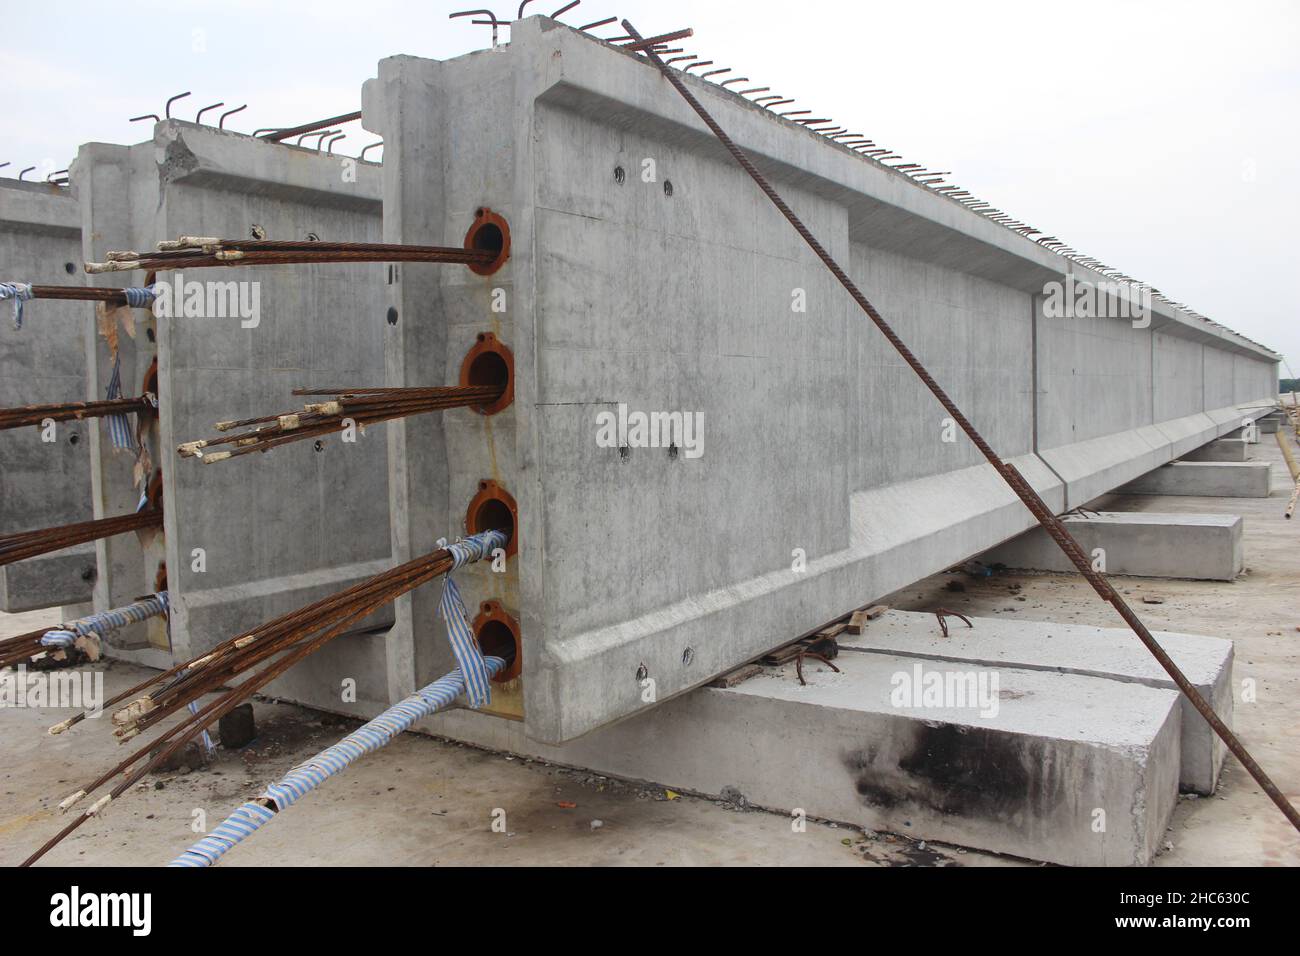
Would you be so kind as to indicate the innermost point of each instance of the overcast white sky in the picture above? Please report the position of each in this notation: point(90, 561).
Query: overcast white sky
point(1160, 137)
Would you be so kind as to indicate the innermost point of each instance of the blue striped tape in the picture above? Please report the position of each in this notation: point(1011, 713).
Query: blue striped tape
point(20, 292)
point(306, 777)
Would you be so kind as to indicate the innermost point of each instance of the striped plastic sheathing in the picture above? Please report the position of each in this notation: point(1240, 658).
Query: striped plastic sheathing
point(100, 625)
point(20, 292)
point(119, 426)
point(308, 776)
point(469, 658)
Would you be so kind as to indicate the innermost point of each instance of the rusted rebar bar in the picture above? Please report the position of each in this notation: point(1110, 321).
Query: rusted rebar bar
point(278, 135)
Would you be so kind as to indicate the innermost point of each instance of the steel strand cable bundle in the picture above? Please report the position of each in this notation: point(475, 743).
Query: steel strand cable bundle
point(350, 408)
point(259, 656)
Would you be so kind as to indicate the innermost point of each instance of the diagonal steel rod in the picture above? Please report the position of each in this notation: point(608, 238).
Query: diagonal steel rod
point(1027, 494)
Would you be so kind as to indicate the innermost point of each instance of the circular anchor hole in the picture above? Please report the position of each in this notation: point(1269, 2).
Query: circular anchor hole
point(392, 315)
point(494, 509)
point(620, 175)
point(490, 363)
point(488, 233)
point(497, 635)
point(319, 445)
point(688, 655)
point(642, 672)
point(668, 187)
point(69, 268)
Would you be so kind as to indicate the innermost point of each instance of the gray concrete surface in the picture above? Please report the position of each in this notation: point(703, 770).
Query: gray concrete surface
point(818, 443)
point(1112, 653)
point(1206, 547)
point(43, 484)
point(1249, 479)
point(1224, 449)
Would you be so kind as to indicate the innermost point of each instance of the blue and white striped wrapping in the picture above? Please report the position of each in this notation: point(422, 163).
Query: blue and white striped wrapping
point(58, 638)
point(243, 822)
point(469, 659)
point(98, 625)
point(20, 292)
point(308, 776)
point(141, 298)
point(208, 745)
point(119, 427)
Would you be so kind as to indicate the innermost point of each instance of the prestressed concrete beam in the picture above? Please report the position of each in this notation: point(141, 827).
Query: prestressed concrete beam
point(44, 474)
point(253, 538)
point(623, 292)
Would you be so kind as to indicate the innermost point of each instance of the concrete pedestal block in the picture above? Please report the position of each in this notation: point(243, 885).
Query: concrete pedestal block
point(1211, 479)
point(1225, 449)
point(1114, 653)
point(1199, 546)
point(1063, 754)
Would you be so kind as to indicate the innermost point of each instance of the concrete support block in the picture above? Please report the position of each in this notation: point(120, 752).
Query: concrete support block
point(1030, 780)
point(1269, 426)
point(1225, 449)
point(1204, 547)
point(1113, 653)
point(1211, 479)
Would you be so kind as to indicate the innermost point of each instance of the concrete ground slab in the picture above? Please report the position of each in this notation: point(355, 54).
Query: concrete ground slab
point(1209, 478)
point(1076, 649)
point(1200, 547)
point(422, 801)
point(1224, 449)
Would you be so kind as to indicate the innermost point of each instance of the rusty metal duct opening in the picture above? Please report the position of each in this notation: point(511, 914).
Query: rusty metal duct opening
point(490, 363)
point(489, 233)
point(494, 509)
point(497, 634)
